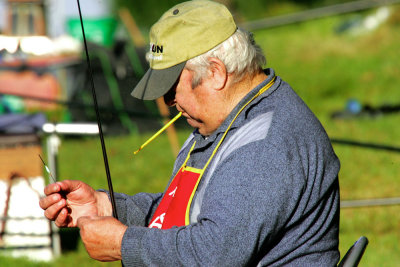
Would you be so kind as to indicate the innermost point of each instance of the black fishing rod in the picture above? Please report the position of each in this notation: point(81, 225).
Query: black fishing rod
point(103, 145)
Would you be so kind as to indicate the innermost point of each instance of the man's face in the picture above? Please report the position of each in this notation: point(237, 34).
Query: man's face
point(198, 105)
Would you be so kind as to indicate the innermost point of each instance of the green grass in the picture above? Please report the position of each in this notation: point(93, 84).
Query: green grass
point(326, 69)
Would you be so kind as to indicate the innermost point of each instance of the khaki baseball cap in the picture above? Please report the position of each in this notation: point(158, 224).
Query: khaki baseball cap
point(185, 31)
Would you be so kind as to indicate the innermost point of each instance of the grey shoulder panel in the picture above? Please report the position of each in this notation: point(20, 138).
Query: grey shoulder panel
point(254, 130)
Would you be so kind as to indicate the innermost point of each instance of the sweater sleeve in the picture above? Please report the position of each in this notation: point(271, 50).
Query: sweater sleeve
point(137, 209)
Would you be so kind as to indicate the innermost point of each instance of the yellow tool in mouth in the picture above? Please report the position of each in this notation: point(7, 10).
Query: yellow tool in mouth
point(159, 132)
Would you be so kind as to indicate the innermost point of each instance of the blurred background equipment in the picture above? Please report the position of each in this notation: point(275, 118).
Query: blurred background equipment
point(41, 63)
point(25, 232)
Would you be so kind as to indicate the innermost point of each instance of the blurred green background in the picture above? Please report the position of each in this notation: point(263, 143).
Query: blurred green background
point(327, 61)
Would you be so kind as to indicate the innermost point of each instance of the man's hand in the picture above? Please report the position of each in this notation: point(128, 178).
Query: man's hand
point(66, 201)
point(102, 237)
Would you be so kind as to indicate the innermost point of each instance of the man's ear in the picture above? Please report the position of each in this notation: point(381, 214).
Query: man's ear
point(217, 73)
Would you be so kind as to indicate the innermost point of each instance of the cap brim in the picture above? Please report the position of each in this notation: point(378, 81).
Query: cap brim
point(156, 83)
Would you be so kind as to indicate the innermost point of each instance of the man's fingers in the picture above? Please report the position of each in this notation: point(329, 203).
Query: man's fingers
point(52, 211)
point(65, 186)
point(46, 202)
point(62, 219)
point(67, 200)
point(52, 188)
point(69, 185)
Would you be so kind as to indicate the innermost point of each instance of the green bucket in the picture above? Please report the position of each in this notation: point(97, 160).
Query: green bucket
point(100, 31)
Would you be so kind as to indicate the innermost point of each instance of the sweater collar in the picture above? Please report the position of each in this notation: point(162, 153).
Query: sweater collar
point(222, 128)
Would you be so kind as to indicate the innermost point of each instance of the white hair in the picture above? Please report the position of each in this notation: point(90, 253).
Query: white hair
point(240, 54)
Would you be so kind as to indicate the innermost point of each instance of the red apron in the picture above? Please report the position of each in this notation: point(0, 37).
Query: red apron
point(174, 207)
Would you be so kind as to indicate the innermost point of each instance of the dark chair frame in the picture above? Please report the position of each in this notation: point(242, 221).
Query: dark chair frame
point(355, 253)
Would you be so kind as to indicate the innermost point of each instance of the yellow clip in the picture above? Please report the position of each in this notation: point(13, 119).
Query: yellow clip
point(158, 133)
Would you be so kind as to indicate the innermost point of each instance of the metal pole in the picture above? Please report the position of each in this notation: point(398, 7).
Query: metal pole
point(53, 143)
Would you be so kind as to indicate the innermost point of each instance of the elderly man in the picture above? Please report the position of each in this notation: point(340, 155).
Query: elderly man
point(256, 183)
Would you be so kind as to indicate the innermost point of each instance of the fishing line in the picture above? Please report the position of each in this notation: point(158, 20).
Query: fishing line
point(47, 170)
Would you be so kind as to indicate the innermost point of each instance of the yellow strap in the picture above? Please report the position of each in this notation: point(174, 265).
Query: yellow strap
point(188, 155)
point(262, 90)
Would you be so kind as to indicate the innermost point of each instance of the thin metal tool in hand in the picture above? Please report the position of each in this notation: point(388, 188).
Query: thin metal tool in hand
point(48, 170)
point(96, 108)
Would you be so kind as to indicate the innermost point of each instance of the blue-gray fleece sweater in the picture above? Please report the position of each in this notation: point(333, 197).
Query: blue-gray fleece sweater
point(270, 196)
